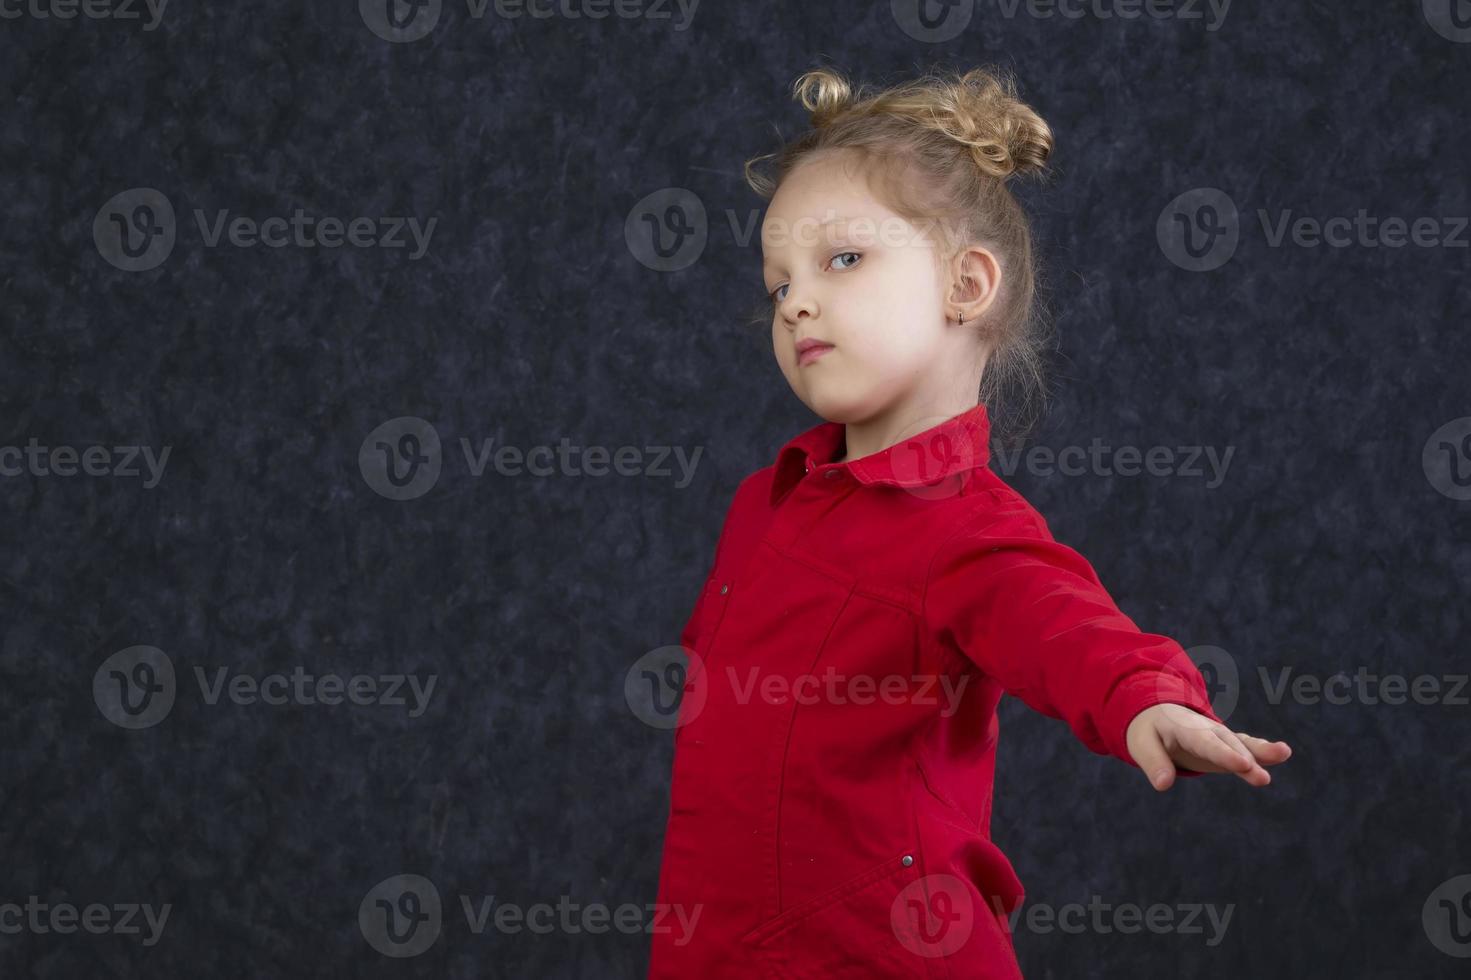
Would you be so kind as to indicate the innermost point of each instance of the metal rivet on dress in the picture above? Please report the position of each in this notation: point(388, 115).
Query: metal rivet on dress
point(724, 589)
point(908, 860)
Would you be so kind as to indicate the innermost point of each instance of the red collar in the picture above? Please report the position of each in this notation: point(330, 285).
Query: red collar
point(955, 445)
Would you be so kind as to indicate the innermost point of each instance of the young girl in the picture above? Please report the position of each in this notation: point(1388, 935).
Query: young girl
point(877, 588)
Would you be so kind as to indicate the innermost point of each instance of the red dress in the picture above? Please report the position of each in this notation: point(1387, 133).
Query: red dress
point(831, 796)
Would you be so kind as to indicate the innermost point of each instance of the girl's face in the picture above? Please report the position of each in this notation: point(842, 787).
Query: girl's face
point(844, 270)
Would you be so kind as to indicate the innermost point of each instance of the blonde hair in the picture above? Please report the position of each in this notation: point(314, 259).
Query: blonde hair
point(939, 150)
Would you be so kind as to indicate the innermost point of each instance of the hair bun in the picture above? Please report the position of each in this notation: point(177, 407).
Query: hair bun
point(979, 109)
point(1005, 135)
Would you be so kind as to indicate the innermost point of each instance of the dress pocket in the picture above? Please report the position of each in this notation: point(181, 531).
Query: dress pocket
point(846, 932)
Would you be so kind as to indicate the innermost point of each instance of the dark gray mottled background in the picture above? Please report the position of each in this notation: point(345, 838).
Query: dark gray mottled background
point(1328, 547)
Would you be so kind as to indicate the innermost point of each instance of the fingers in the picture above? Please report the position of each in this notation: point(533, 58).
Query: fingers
point(1154, 760)
point(1219, 750)
point(1244, 760)
point(1266, 752)
point(1191, 741)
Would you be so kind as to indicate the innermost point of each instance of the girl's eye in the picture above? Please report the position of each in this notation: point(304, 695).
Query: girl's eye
point(776, 296)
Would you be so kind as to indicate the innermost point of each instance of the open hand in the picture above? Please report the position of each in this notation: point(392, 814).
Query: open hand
point(1163, 736)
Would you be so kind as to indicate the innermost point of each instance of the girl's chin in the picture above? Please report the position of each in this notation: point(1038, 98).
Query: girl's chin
point(833, 405)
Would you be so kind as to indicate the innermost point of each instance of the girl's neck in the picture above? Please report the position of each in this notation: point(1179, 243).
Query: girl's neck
point(883, 434)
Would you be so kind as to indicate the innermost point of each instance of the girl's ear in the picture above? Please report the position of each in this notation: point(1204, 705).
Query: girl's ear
point(975, 280)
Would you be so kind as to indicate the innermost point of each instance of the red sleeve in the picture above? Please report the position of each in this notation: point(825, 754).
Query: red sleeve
point(1032, 614)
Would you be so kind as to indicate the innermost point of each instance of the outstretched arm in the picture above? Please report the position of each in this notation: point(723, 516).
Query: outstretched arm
point(1032, 614)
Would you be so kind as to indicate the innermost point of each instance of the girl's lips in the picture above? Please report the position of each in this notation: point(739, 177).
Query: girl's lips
point(812, 353)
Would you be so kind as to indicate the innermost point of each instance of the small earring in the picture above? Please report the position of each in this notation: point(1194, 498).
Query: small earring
point(959, 319)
